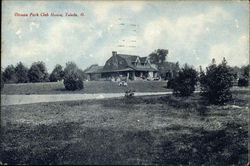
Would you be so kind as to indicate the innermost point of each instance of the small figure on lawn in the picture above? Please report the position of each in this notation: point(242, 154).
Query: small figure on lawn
point(129, 93)
point(123, 83)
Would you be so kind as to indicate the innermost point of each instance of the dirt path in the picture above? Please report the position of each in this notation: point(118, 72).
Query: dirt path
point(29, 99)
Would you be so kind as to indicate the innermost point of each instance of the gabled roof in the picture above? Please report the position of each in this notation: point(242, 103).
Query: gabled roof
point(94, 69)
point(132, 58)
point(128, 58)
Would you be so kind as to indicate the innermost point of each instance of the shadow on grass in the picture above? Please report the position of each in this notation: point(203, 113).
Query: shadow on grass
point(68, 143)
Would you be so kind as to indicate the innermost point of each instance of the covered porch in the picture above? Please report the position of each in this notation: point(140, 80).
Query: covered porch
point(129, 75)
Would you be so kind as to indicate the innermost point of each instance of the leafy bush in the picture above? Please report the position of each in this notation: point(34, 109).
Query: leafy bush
point(72, 78)
point(216, 83)
point(243, 82)
point(184, 83)
point(72, 82)
point(38, 72)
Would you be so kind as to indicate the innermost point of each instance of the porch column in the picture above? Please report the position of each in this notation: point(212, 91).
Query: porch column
point(88, 77)
point(127, 76)
point(133, 75)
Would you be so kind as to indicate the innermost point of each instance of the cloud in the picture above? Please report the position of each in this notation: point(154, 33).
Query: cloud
point(186, 36)
point(236, 53)
point(33, 25)
point(184, 29)
point(101, 10)
point(19, 33)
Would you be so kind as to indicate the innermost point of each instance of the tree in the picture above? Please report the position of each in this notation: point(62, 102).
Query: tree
point(244, 79)
point(243, 82)
point(158, 56)
point(2, 81)
point(216, 83)
point(245, 70)
point(57, 74)
point(38, 72)
point(21, 73)
point(9, 74)
point(73, 79)
point(184, 83)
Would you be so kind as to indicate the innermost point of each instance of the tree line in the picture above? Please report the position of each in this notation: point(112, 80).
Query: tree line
point(38, 73)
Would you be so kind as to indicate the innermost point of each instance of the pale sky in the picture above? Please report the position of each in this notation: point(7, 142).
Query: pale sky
point(194, 32)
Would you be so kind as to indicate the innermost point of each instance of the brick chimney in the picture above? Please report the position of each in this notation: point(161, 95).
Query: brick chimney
point(114, 53)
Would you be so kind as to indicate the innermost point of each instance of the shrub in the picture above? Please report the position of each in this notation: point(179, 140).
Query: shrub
point(38, 72)
point(72, 78)
point(72, 82)
point(216, 83)
point(184, 83)
point(243, 82)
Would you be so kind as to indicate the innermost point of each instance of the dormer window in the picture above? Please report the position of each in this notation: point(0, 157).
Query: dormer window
point(134, 63)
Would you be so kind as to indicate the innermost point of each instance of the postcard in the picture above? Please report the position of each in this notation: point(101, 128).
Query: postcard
point(124, 82)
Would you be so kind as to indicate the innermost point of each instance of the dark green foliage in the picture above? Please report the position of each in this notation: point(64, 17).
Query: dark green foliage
point(170, 84)
point(216, 83)
point(241, 72)
point(38, 72)
point(73, 79)
point(73, 82)
point(2, 81)
point(158, 56)
point(21, 73)
point(84, 75)
point(57, 74)
point(243, 82)
point(246, 71)
point(184, 83)
point(168, 70)
point(244, 76)
point(9, 74)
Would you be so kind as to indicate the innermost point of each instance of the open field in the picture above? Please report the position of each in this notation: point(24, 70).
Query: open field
point(89, 87)
point(140, 130)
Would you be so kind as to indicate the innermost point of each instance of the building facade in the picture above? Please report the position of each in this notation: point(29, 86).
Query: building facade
point(125, 67)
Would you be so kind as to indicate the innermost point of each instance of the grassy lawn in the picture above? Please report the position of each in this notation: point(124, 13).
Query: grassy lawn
point(141, 130)
point(89, 87)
